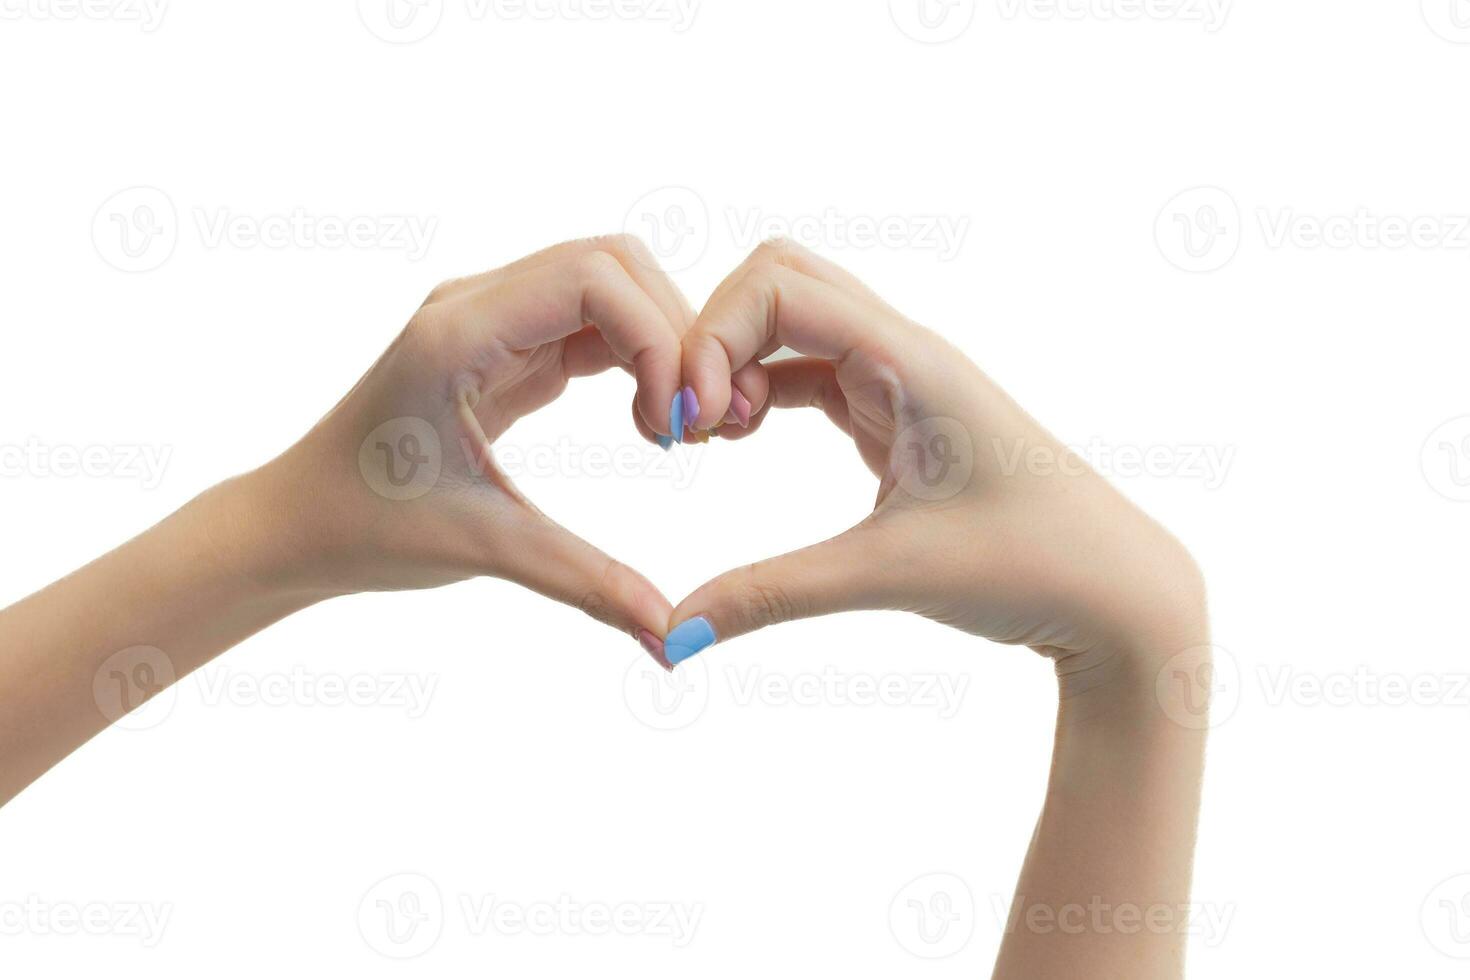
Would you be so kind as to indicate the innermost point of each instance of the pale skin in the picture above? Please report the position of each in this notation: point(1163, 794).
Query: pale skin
point(1049, 557)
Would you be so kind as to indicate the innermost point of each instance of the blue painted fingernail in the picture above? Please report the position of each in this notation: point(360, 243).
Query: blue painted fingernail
point(664, 442)
point(691, 406)
point(676, 416)
point(687, 639)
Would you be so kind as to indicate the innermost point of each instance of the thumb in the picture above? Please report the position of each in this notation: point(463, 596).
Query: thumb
point(549, 559)
point(843, 573)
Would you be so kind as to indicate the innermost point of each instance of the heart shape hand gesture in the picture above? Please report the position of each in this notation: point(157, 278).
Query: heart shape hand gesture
point(983, 520)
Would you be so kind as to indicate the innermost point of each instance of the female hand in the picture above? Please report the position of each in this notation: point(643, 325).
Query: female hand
point(397, 489)
point(983, 520)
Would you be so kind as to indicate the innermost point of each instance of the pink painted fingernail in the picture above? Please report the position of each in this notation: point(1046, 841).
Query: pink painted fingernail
point(740, 405)
point(655, 648)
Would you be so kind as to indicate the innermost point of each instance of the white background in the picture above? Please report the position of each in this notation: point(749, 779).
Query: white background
point(260, 825)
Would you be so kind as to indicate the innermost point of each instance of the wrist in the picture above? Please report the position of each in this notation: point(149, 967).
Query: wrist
point(262, 537)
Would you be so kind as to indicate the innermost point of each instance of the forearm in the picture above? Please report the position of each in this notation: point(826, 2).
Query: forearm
point(176, 596)
point(1105, 889)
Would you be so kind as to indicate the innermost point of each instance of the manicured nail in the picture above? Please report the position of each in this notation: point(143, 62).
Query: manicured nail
point(676, 416)
point(655, 648)
point(740, 405)
point(664, 442)
point(687, 639)
point(691, 406)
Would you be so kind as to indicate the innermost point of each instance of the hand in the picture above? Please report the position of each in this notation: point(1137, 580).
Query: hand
point(983, 520)
point(397, 489)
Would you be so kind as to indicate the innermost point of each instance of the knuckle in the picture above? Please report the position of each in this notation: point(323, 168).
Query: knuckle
point(626, 245)
point(761, 603)
point(597, 265)
point(779, 250)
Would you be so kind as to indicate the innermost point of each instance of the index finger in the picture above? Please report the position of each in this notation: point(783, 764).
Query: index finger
point(768, 304)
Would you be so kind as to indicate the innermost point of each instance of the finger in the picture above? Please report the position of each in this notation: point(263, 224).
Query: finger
point(553, 561)
point(785, 252)
point(629, 250)
point(774, 303)
point(551, 302)
point(847, 572)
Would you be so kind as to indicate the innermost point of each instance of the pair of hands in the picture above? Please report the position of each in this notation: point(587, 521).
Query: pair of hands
point(983, 520)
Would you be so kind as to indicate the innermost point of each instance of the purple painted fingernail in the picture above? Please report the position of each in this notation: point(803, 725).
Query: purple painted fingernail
point(691, 406)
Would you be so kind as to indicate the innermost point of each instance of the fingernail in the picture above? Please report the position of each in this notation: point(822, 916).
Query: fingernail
point(687, 639)
point(691, 406)
point(664, 442)
point(655, 648)
point(740, 405)
point(676, 416)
